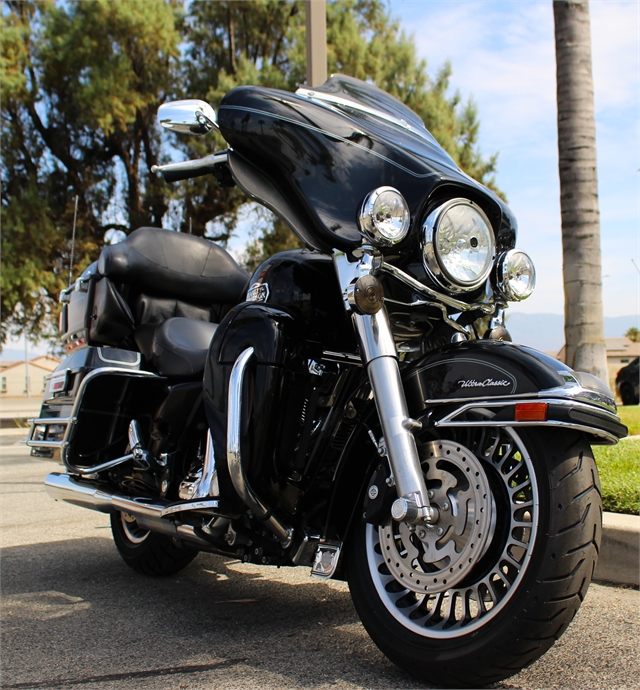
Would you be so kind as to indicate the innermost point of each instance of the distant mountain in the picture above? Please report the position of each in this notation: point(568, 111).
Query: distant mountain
point(546, 331)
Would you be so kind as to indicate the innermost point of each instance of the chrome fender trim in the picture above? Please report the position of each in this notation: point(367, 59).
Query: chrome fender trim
point(591, 415)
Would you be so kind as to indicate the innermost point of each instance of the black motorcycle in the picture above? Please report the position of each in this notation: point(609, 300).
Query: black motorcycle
point(355, 407)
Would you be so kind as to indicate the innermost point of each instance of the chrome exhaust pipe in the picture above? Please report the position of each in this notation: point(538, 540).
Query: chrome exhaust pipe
point(62, 487)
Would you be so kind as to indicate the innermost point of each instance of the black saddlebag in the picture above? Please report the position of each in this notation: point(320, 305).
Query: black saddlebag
point(94, 312)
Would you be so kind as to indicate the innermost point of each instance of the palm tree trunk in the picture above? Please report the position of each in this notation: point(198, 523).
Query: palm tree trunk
point(584, 327)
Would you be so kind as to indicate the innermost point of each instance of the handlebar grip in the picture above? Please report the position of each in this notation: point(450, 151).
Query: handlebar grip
point(177, 175)
point(174, 172)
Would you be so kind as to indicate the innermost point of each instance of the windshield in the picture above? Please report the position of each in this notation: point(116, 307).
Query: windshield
point(380, 114)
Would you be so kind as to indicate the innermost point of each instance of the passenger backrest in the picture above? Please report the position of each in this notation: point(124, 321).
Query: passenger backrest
point(172, 264)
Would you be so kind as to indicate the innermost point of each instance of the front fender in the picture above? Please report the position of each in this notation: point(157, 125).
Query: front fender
point(512, 384)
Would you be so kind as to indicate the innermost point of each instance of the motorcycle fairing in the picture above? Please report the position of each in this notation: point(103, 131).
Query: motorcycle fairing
point(313, 164)
point(480, 375)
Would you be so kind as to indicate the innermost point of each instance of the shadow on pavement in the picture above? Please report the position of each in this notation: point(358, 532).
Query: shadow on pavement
point(86, 618)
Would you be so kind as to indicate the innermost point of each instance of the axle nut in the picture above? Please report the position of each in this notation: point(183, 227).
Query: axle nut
point(404, 510)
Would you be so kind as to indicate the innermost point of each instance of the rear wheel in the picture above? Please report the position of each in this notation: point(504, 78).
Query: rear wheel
point(146, 552)
point(496, 582)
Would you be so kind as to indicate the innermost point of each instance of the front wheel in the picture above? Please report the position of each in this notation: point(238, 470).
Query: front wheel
point(146, 552)
point(495, 583)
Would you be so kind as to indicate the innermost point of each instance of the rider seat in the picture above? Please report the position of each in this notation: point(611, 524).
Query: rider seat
point(180, 346)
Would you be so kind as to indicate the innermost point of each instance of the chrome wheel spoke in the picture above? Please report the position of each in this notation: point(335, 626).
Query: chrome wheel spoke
point(417, 569)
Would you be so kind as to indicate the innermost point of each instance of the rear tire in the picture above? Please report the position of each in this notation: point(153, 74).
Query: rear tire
point(146, 552)
point(507, 608)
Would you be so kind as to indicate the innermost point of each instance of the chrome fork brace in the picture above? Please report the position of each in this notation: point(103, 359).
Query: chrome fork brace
point(380, 357)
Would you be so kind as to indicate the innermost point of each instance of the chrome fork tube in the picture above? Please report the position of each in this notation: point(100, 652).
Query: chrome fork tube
point(379, 355)
point(380, 358)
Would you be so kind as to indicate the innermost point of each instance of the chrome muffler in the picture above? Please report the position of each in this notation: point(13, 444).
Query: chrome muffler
point(148, 514)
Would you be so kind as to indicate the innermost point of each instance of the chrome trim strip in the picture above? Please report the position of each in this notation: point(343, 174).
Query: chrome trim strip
point(449, 420)
point(332, 99)
point(550, 423)
point(283, 533)
point(341, 358)
point(190, 505)
point(41, 444)
point(41, 421)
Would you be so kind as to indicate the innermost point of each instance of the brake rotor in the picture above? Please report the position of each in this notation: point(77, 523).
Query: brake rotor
point(434, 558)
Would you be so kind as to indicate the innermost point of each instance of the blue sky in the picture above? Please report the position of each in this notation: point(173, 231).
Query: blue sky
point(502, 54)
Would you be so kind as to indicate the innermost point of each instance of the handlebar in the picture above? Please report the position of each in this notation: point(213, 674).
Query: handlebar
point(173, 172)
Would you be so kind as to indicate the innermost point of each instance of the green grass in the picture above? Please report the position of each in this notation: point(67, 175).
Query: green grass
point(630, 415)
point(619, 468)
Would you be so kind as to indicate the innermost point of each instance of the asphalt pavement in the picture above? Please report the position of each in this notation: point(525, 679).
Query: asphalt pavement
point(74, 616)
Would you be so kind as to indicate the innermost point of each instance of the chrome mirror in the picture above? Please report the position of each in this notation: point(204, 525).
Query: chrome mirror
point(187, 117)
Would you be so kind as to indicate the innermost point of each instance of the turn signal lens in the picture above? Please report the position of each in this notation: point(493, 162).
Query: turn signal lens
point(531, 412)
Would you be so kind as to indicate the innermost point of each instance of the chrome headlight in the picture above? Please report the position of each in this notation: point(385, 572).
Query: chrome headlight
point(515, 275)
point(384, 217)
point(458, 246)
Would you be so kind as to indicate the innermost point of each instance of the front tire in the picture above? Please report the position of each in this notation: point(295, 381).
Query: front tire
point(487, 597)
point(146, 552)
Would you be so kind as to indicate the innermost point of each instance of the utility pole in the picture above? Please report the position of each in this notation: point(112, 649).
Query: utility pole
point(316, 15)
point(27, 382)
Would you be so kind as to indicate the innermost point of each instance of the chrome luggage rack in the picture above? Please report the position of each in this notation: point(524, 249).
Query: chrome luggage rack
point(46, 436)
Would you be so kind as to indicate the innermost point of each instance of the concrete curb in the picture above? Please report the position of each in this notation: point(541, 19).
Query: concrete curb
point(619, 560)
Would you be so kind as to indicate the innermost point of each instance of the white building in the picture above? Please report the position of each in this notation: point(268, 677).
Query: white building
point(13, 376)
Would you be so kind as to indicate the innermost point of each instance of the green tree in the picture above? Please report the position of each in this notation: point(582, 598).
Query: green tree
point(81, 83)
point(633, 334)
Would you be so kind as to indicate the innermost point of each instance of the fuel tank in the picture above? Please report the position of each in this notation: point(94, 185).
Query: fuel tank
point(304, 283)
